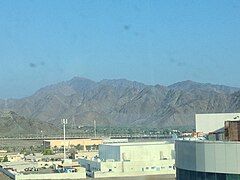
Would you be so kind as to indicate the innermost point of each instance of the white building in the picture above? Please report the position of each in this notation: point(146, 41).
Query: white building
point(207, 123)
point(132, 159)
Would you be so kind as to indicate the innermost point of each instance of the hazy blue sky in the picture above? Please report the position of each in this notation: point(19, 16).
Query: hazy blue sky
point(47, 41)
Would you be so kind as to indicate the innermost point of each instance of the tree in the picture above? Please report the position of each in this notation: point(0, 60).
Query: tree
point(79, 147)
point(23, 150)
point(5, 159)
point(31, 148)
point(55, 149)
point(47, 152)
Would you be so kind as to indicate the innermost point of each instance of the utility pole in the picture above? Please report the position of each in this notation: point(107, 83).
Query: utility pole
point(64, 122)
point(95, 128)
point(43, 140)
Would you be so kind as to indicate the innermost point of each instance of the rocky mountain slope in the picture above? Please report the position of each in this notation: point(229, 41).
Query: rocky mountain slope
point(125, 103)
point(14, 125)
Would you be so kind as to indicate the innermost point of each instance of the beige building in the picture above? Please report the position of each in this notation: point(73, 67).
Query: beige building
point(132, 159)
point(86, 144)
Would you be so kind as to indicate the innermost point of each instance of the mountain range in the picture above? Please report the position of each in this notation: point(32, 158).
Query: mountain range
point(120, 102)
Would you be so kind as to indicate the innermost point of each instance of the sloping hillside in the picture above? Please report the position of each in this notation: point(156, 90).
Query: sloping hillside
point(14, 125)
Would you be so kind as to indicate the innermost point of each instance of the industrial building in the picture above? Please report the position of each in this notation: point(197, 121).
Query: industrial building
point(215, 159)
point(87, 144)
point(207, 160)
point(212, 122)
point(132, 159)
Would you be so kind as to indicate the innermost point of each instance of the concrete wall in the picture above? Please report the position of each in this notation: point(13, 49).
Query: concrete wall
point(146, 153)
point(211, 122)
point(80, 175)
point(128, 174)
point(208, 156)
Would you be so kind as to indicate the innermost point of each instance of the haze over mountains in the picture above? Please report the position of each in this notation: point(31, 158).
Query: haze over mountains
point(125, 103)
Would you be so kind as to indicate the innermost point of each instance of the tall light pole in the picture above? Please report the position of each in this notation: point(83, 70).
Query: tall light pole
point(43, 140)
point(64, 122)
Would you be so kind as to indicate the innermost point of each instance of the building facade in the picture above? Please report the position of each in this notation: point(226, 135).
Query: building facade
point(232, 131)
point(207, 160)
point(132, 159)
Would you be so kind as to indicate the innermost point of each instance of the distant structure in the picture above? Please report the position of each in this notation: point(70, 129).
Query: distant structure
point(85, 143)
point(132, 159)
point(232, 130)
point(216, 158)
point(118, 140)
point(207, 123)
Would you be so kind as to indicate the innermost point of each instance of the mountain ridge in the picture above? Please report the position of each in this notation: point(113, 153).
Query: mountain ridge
point(120, 102)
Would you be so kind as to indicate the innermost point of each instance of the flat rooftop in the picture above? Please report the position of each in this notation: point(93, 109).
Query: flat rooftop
point(138, 143)
point(209, 142)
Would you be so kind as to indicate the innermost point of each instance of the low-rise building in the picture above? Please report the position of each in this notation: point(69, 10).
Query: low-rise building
point(43, 170)
point(132, 159)
point(87, 144)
